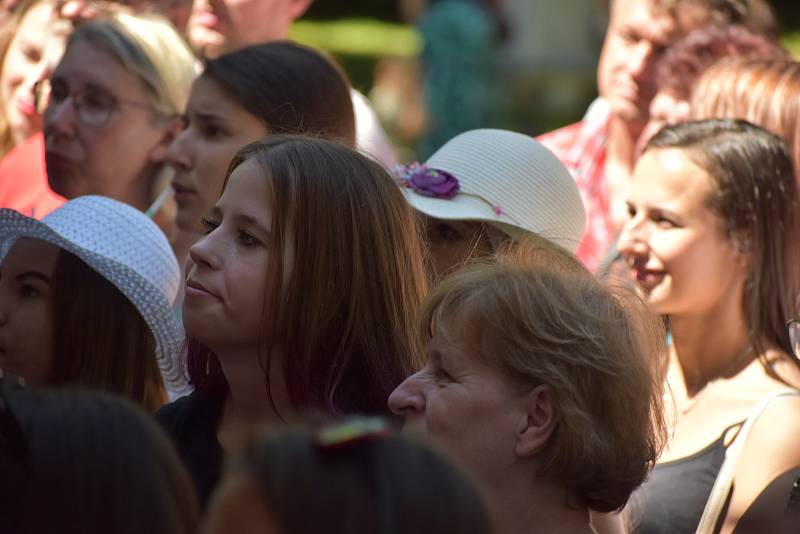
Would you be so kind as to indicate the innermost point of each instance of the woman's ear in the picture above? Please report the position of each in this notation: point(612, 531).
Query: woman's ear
point(172, 129)
point(539, 423)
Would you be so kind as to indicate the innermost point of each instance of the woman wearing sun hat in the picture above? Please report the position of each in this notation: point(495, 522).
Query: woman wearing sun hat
point(485, 187)
point(85, 300)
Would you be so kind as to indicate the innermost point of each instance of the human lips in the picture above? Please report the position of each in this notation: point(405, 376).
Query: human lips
point(647, 278)
point(182, 192)
point(207, 19)
point(26, 108)
point(196, 289)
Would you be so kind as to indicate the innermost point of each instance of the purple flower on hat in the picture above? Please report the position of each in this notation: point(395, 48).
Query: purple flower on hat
point(426, 181)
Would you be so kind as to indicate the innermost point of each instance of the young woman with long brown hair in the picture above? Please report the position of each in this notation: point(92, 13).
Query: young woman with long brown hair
point(299, 298)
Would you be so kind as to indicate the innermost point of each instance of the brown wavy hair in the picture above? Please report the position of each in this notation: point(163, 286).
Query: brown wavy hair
point(536, 314)
point(346, 314)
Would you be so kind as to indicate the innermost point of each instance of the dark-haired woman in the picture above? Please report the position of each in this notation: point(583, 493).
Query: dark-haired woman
point(300, 296)
point(711, 241)
point(243, 96)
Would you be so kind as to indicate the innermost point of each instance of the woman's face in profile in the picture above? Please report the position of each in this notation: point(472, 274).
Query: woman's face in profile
point(26, 310)
point(673, 243)
point(102, 134)
point(452, 243)
point(215, 128)
point(464, 404)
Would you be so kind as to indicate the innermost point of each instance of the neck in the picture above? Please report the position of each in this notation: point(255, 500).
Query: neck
point(510, 503)
point(248, 398)
point(709, 346)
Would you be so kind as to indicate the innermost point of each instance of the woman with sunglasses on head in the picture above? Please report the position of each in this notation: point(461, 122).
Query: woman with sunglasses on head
point(112, 106)
point(710, 240)
point(300, 297)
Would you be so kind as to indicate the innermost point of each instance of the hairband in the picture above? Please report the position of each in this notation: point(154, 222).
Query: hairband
point(349, 433)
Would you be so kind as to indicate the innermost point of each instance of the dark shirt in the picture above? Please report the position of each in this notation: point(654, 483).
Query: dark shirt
point(672, 499)
point(192, 423)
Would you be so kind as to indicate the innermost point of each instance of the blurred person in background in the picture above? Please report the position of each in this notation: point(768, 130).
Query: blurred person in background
point(77, 462)
point(763, 91)
point(241, 97)
point(344, 478)
point(710, 240)
point(217, 27)
point(689, 59)
point(112, 107)
point(600, 150)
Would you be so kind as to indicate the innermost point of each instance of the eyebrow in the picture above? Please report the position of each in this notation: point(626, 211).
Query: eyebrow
point(34, 274)
point(245, 220)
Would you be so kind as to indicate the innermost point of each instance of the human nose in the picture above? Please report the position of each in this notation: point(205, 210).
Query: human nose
point(178, 153)
point(408, 399)
point(204, 253)
point(640, 60)
point(61, 118)
point(633, 238)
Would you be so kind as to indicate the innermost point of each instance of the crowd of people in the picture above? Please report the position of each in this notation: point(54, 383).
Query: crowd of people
point(224, 307)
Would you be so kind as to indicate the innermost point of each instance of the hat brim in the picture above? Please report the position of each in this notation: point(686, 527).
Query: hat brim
point(161, 319)
point(463, 207)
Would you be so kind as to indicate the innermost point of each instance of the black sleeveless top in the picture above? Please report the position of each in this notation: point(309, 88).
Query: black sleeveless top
point(672, 499)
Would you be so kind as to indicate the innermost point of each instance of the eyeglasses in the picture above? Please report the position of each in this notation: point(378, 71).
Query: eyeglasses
point(793, 328)
point(92, 107)
point(12, 438)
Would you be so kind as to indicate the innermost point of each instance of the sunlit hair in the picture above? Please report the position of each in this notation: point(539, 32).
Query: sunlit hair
point(364, 485)
point(756, 15)
point(101, 340)
point(290, 88)
point(75, 462)
point(537, 315)
point(689, 58)
point(345, 316)
point(754, 195)
point(765, 92)
point(149, 47)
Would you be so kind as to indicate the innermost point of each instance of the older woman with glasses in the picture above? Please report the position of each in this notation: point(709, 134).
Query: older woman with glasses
point(113, 106)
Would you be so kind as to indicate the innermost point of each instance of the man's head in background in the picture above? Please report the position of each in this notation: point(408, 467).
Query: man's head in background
point(639, 31)
point(219, 26)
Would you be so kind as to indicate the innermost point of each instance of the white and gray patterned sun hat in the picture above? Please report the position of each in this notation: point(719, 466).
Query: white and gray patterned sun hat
point(504, 178)
point(125, 247)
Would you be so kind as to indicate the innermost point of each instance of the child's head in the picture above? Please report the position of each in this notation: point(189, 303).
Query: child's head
point(351, 478)
point(313, 250)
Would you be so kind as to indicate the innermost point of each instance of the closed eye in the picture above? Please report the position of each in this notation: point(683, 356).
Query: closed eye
point(209, 225)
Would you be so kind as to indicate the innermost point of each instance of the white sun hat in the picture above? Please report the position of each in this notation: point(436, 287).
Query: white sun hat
point(125, 247)
point(505, 178)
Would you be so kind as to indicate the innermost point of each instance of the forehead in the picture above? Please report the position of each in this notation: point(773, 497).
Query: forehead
point(36, 19)
point(29, 253)
point(86, 63)
point(668, 176)
point(246, 192)
point(645, 17)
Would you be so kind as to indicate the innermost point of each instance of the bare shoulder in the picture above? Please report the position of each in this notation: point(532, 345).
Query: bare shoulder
point(770, 450)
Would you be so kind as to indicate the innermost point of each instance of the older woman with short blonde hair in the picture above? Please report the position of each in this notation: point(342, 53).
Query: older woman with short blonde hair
point(544, 383)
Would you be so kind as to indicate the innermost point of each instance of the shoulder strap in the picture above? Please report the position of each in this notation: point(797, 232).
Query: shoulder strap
point(722, 485)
